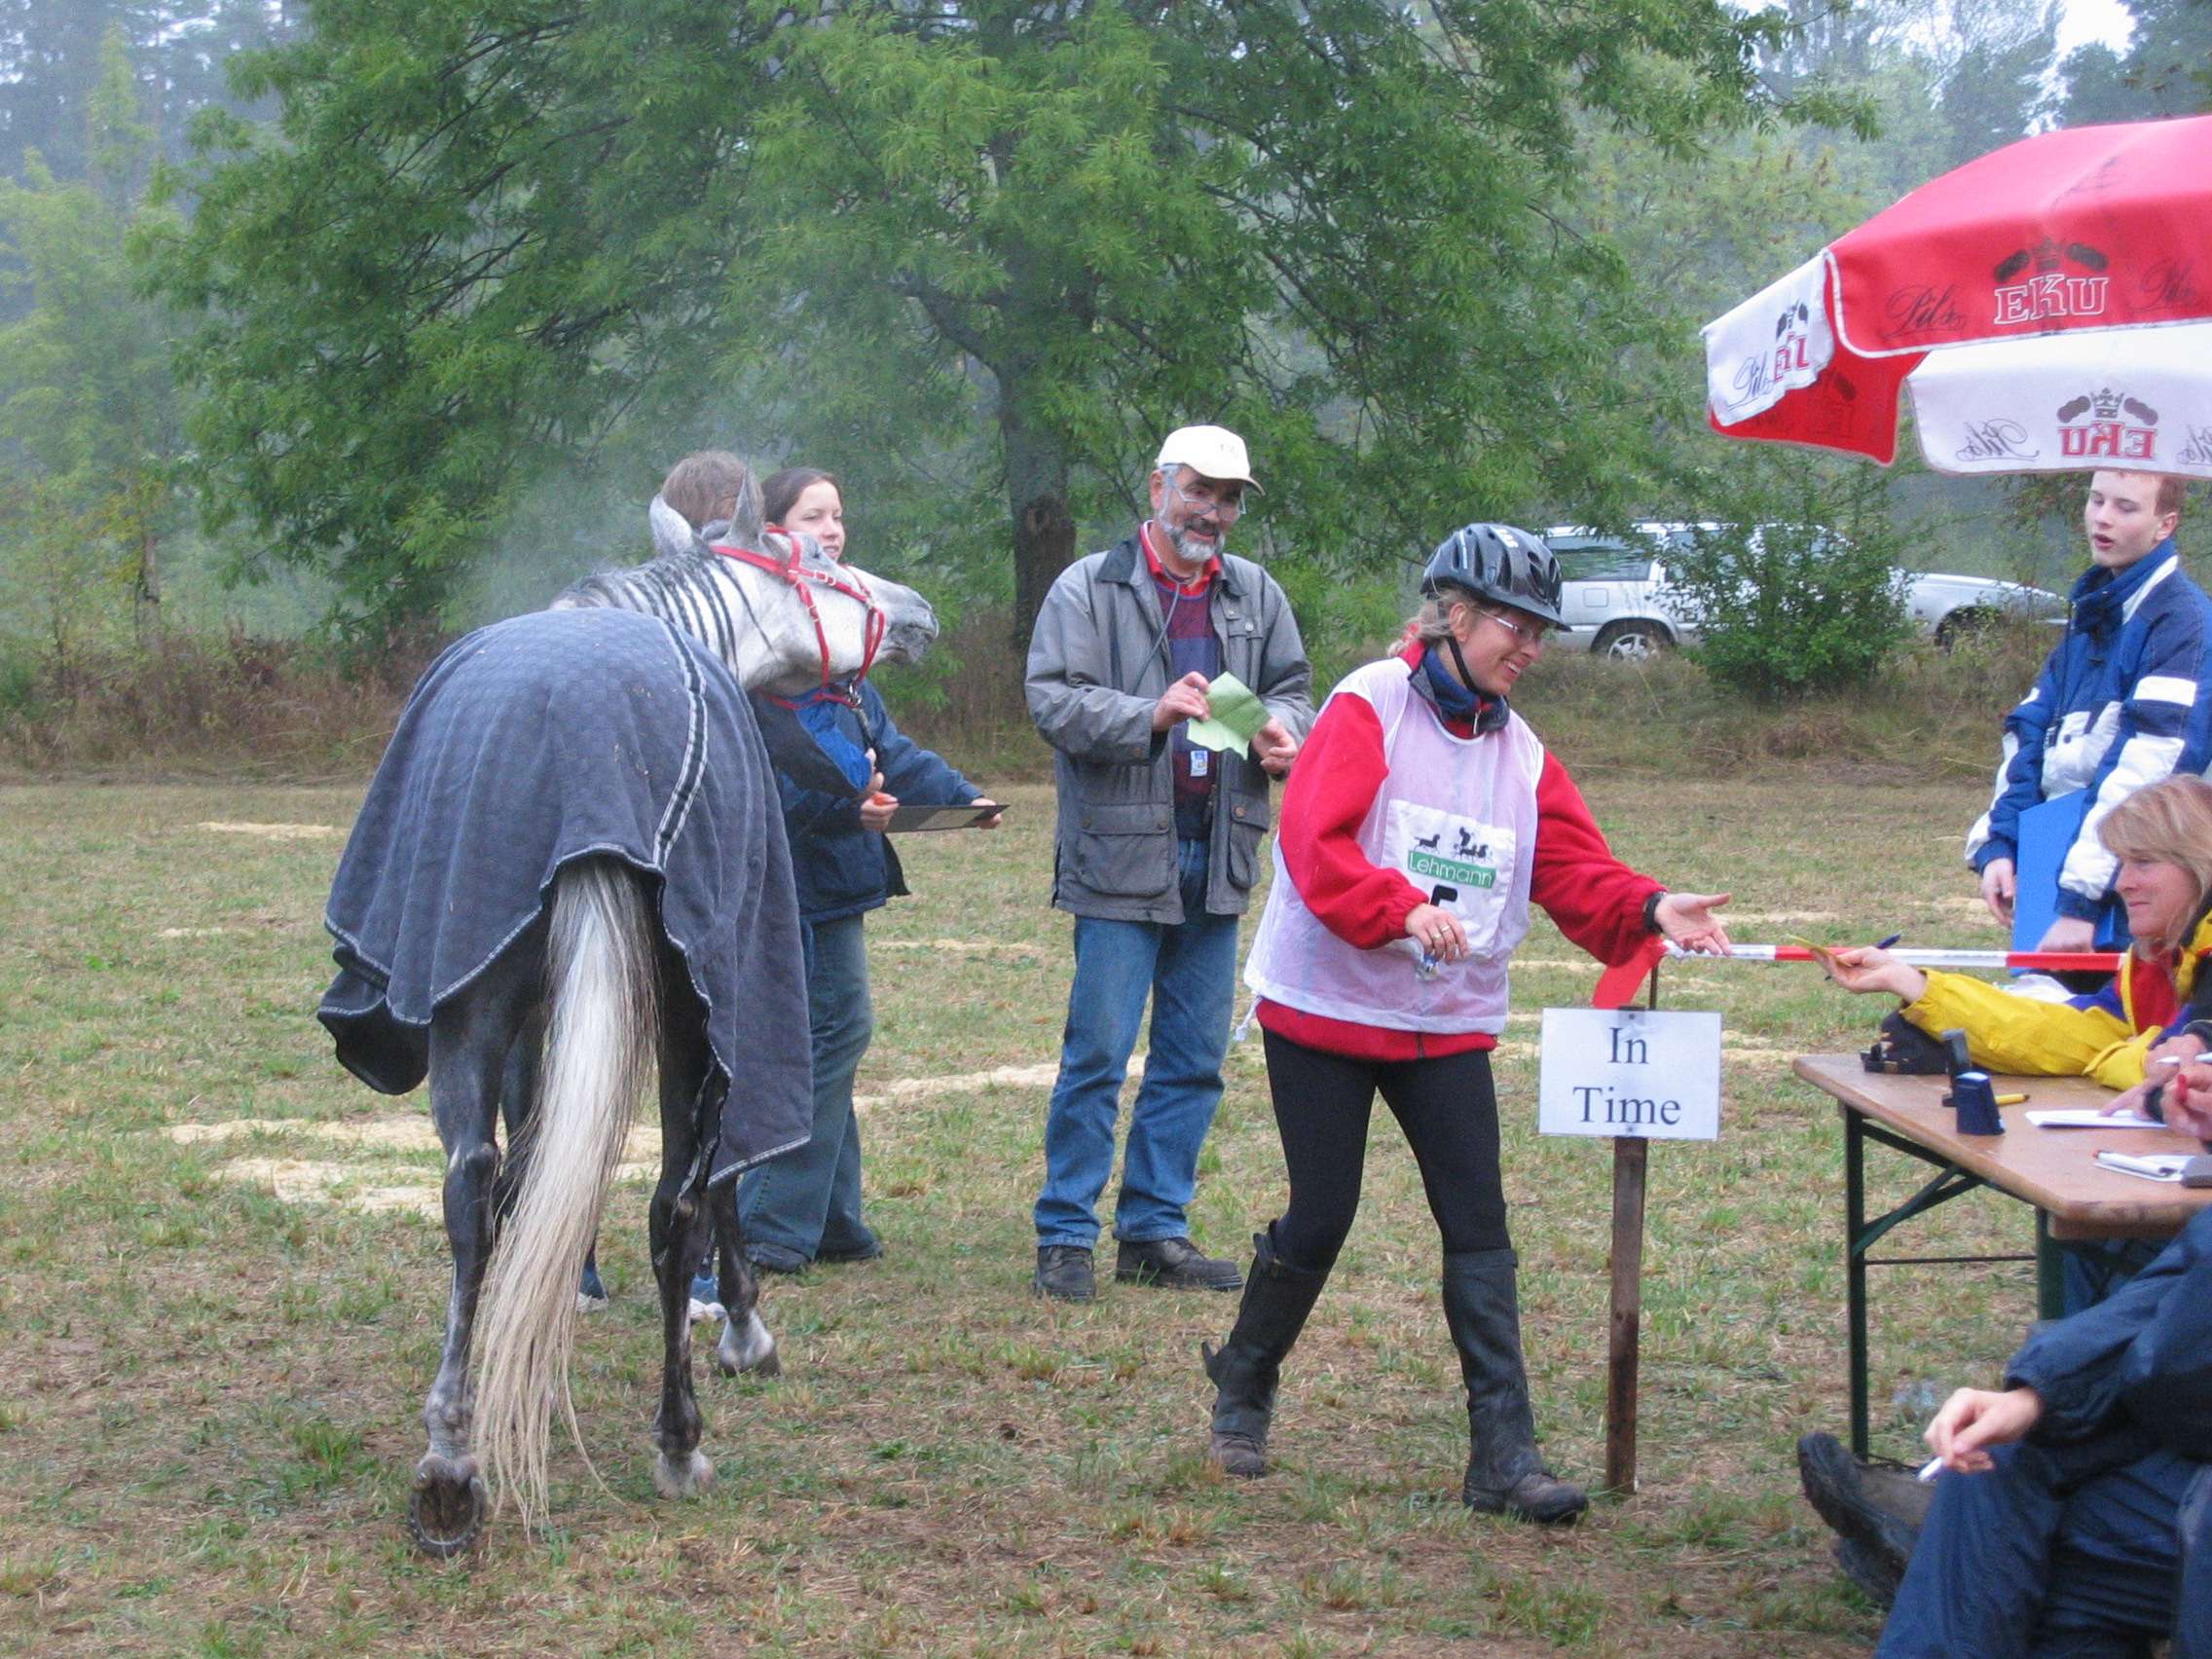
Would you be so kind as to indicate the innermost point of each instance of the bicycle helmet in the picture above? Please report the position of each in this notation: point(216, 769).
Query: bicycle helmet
point(1499, 563)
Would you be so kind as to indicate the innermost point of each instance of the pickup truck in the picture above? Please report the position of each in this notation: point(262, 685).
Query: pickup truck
point(1612, 601)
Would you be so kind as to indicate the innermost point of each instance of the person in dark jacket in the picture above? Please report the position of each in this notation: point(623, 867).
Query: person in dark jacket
point(2071, 1508)
point(806, 1206)
point(1156, 850)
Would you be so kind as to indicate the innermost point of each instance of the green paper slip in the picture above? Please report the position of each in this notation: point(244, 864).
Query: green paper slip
point(1237, 715)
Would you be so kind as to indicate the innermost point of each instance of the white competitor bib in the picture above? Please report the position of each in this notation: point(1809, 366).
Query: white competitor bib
point(1458, 817)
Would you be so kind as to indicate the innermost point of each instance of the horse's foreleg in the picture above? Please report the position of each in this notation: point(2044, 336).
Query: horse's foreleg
point(745, 1343)
point(680, 1469)
point(471, 1041)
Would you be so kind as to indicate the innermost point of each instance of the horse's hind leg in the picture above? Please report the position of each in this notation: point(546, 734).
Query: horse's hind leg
point(471, 1041)
point(680, 1469)
point(745, 1343)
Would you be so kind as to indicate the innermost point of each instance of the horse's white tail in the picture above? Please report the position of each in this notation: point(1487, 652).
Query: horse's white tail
point(599, 1051)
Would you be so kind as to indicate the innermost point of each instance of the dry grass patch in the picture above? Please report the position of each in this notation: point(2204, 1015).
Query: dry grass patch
point(207, 1426)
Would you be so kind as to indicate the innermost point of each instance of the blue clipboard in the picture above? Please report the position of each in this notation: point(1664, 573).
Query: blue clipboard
point(2047, 830)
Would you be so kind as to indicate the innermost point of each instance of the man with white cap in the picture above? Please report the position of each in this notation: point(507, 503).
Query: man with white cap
point(1158, 846)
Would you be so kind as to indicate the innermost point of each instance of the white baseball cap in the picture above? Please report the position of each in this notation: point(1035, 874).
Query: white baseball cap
point(1212, 452)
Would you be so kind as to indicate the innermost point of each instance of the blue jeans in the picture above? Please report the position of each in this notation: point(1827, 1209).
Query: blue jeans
point(2019, 1561)
point(809, 1200)
point(1189, 971)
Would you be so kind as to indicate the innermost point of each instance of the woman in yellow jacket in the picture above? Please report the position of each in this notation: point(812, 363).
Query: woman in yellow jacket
point(2162, 836)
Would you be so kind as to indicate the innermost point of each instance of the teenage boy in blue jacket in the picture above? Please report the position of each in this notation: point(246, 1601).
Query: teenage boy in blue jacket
point(2120, 703)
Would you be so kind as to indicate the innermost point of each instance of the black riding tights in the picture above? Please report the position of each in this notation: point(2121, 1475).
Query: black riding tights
point(1448, 1112)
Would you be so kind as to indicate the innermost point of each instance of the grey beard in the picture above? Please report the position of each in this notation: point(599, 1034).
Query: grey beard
point(1179, 540)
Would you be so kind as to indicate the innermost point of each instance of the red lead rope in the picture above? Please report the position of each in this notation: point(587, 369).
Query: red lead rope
point(803, 582)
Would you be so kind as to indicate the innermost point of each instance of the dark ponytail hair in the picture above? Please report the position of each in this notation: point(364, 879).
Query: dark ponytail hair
point(782, 490)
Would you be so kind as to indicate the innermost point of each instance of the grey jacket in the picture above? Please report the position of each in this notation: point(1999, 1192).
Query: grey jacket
point(1097, 665)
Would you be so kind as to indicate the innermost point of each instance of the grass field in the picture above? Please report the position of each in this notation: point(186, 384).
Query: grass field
point(223, 1301)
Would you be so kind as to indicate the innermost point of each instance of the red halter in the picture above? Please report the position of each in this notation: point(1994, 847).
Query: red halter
point(802, 581)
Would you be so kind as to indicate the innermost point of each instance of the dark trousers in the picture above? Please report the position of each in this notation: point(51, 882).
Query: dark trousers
point(2019, 1561)
point(808, 1201)
point(1448, 1109)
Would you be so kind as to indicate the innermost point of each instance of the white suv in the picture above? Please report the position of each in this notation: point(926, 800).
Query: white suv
point(1612, 599)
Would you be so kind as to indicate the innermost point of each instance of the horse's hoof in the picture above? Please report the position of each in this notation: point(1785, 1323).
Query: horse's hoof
point(751, 1350)
point(688, 1477)
point(445, 1514)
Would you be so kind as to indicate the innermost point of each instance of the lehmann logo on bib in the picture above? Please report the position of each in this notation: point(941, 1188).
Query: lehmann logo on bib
point(1441, 868)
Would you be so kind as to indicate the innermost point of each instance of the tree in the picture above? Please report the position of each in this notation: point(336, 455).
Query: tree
point(485, 237)
point(84, 390)
point(2165, 68)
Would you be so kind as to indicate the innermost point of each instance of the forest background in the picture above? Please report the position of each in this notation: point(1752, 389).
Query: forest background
point(328, 331)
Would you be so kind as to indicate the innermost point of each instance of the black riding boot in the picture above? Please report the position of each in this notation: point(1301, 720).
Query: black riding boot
point(1505, 1472)
point(1277, 1298)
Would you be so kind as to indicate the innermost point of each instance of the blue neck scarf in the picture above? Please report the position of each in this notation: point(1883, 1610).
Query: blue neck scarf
point(1458, 702)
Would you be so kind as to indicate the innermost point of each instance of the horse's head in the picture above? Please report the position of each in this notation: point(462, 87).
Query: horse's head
point(822, 619)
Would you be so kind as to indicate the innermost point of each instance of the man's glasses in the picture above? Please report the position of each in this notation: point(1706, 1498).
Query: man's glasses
point(1229, 504)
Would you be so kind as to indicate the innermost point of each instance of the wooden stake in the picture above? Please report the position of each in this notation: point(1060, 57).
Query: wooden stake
point(1630, 1152)
point(1624, 1326)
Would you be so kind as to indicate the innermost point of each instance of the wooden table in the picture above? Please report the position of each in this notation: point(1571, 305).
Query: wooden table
point(2055, 1170)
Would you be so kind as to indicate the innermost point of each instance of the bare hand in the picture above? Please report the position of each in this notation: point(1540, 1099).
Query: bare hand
point(991, 823)
point(2157, 1067)
point(876, 807)
point(2070, 933)
point(1438, 932)
point(1999, 888)
point(1688, 920)
point(2187, 1100)
point(1863, 968)
point(1973, 1420)
point(1185, 700)
point(1274, 748)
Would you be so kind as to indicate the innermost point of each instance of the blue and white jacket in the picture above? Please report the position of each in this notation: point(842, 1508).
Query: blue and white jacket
point(2121, 702)
point(842, 869)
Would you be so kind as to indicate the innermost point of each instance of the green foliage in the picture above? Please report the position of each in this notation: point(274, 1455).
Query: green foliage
point(85, 391)
point(960, 253)
point(1808, 600)
point(2166, 69)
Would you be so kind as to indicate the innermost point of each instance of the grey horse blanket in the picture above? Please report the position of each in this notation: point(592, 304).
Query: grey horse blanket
point(552, 737)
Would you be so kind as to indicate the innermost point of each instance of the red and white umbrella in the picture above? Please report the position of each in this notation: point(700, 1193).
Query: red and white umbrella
point(2047, 307)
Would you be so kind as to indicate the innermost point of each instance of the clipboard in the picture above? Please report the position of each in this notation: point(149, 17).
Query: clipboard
point(914, 820)
point(2045, 834)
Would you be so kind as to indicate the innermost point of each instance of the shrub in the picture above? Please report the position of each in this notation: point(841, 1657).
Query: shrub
point(1809, 602)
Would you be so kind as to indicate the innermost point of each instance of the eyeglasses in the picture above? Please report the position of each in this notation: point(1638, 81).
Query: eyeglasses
point(1228, 502)
point(1529, 633)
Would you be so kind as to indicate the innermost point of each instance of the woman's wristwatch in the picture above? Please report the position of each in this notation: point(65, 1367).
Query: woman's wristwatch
point(1651, 915)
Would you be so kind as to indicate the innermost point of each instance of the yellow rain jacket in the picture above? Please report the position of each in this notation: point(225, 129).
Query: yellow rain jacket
point(2105, 1036)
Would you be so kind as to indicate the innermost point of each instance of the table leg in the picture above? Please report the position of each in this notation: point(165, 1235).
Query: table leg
point(2050, 1270)
point(1855, 1270)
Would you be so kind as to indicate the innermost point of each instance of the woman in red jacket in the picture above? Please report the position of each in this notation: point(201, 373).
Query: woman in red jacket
point(1420, 820)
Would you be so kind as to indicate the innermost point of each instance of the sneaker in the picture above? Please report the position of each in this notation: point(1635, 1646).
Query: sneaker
point(871, 1251)
point(775, 1258)
point(705, 1297)
point(1175, 1263)
point(1877, 1512)
point(1064, 1273)
point(591, 1295)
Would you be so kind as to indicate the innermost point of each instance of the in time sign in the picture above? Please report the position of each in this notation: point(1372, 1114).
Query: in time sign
point(1630, 1071)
